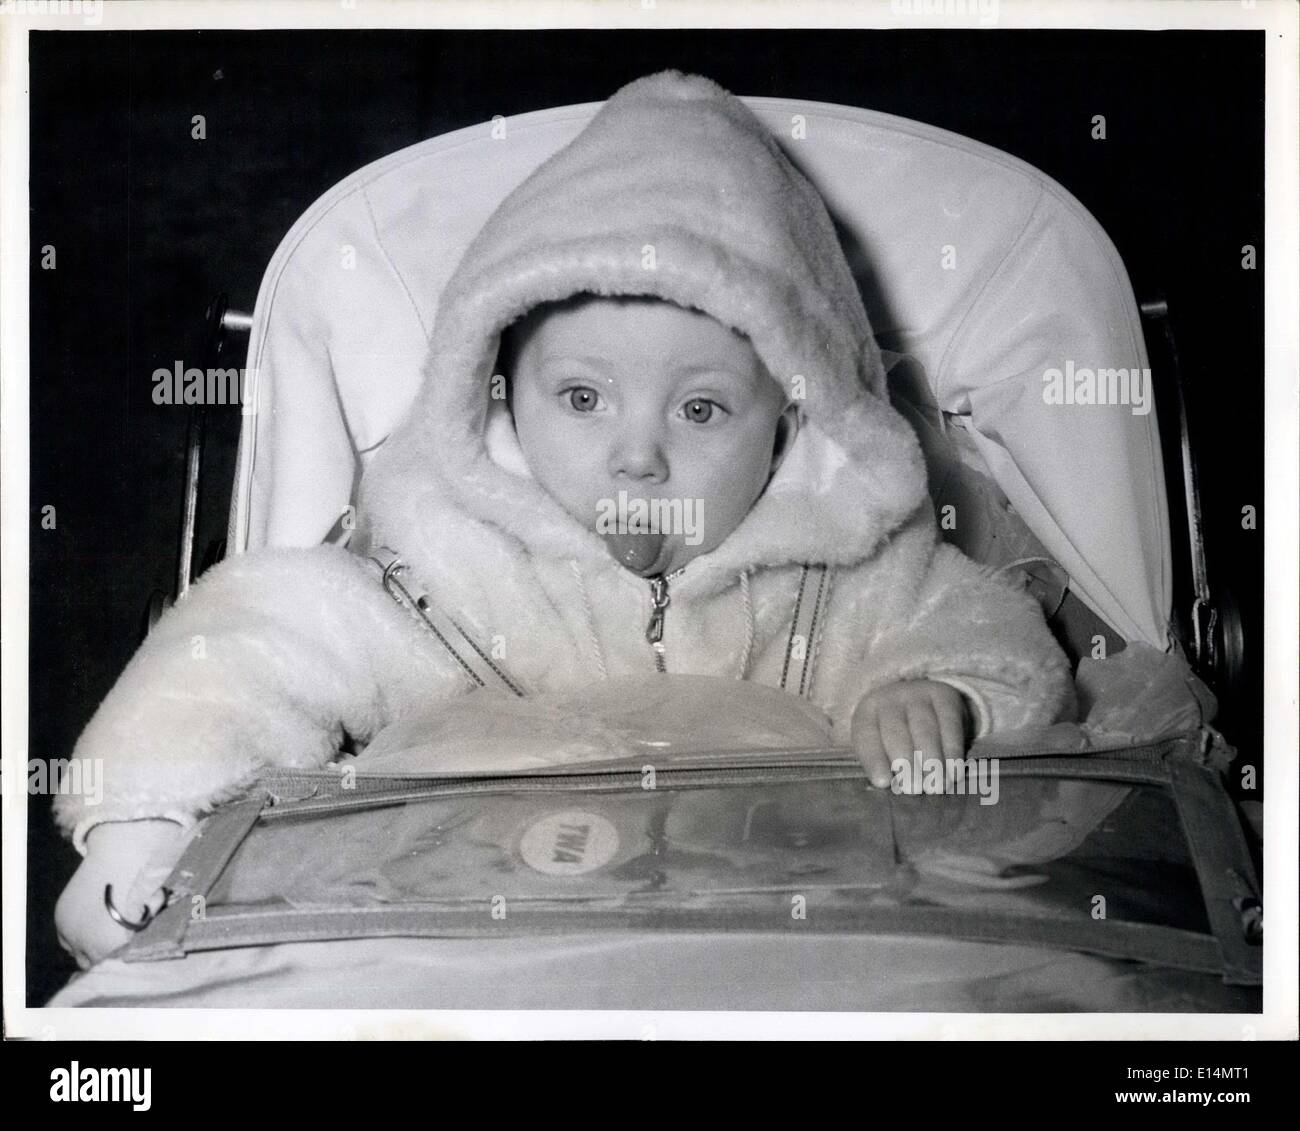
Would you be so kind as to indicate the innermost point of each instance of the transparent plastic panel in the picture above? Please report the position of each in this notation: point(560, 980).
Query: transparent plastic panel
point(1059, 848)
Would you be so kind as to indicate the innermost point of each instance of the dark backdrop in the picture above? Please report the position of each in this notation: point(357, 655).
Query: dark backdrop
point(148, 224)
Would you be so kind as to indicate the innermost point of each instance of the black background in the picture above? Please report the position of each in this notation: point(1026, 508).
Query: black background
point(1047, 1076)
point(148, 224)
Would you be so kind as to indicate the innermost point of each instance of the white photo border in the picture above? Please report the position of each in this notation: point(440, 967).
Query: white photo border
point(1278, 18)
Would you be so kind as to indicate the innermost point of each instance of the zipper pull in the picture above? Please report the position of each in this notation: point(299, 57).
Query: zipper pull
point(654, 632)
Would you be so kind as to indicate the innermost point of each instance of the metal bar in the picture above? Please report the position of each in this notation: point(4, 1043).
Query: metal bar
point(1203, 613)
point(190, 509)
point(1223, 866)
point(220, 321)
point(237, 321)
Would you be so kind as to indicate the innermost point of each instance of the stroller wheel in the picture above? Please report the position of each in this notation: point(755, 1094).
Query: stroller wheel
point(1228, 645)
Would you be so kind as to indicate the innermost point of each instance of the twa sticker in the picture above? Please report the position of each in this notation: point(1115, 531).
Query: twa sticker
point(569, 843)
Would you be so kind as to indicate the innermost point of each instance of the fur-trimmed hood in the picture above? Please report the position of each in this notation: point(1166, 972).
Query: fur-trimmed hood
point(676, 190)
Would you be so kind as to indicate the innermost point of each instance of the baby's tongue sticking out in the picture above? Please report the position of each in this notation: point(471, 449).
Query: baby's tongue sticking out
point(637, 551)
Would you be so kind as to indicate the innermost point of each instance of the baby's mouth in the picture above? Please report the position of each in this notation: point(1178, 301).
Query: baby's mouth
point(641, 552)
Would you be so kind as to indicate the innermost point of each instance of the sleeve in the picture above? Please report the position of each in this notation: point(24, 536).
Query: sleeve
point(265, 662)
point(961, 625)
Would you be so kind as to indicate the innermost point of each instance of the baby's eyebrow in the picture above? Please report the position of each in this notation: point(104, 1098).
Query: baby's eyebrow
point(734, 379)
point(711, 371)
point(689, 371)
point(603, 364)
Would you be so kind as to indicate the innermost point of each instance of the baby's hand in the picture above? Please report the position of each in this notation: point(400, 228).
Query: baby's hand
point(896, 720)
point(135, 857)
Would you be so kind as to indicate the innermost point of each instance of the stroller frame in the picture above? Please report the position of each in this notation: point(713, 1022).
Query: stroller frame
point(1188, 766)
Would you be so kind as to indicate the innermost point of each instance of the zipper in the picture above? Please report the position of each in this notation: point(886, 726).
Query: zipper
point(660, 599)
point(828, 765)
point(312, 792)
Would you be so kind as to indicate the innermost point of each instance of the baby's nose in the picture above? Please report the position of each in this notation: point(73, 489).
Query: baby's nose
point(638, 456)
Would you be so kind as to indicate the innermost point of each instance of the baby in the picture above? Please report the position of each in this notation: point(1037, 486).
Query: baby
point(644, 397)
point(660, 321)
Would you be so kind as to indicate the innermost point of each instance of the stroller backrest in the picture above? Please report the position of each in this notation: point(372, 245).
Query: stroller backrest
point(983, 273)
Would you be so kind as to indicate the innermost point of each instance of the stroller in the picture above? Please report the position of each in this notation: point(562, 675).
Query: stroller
point(1113, 875)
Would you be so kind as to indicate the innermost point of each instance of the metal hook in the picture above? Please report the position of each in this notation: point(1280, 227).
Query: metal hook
point(118, 917)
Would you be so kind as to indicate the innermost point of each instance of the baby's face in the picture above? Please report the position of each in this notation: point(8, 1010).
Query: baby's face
point(635, 410)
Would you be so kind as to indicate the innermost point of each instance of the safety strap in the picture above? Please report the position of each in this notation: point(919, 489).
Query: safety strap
point(472, 659)
point(805, 629)
point(206, 854)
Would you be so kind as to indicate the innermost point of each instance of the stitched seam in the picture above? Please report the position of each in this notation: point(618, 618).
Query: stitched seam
point(589, 617)
point(747, 610)
point(812, 629)
point(379, 242)
point(501, 675)
point(794, 627)
point(818, 626)
point(979, 296)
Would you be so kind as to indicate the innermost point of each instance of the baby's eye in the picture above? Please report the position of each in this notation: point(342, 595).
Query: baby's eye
point(700, 410)
point(583, 399)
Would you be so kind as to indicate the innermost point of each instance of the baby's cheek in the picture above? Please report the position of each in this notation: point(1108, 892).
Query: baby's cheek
point(717, 513)
point(731, 484)
point(563, 460)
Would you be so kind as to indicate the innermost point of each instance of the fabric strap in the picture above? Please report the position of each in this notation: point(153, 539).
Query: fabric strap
point(472, 659)
point(805, 629)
